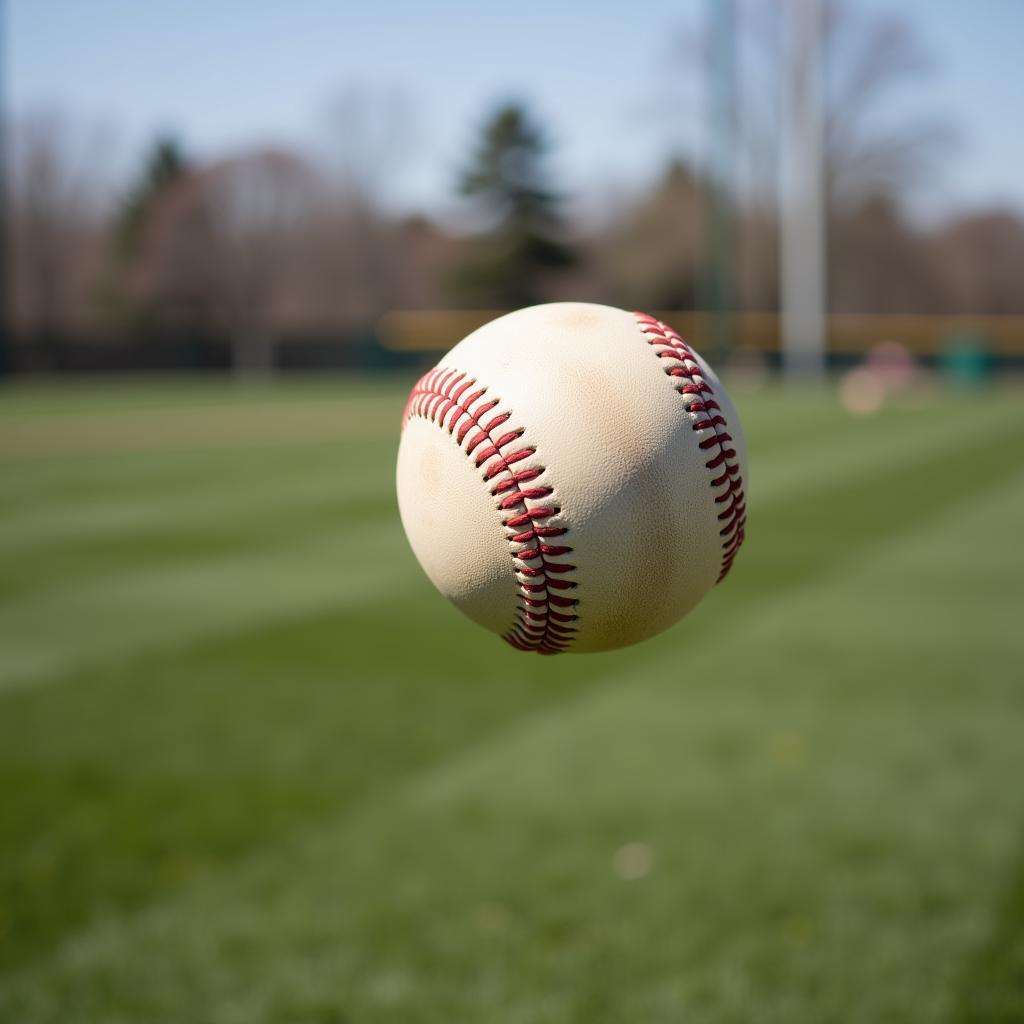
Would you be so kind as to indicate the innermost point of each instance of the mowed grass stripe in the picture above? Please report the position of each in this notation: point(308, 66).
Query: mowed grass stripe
point(257, 419)
point(854, 449)
point(72, 628)
point(787, 795)
point(132, 565)
point(23, 399)
point(102, 509)
point(133, 538)
point(778, 424)
point(35, 485)
point(886, 611)
point(158, 502)
point(839, 520)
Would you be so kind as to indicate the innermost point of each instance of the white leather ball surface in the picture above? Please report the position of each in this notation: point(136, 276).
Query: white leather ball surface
point(572, 477)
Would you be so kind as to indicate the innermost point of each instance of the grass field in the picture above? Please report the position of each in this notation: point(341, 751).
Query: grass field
point(253, 769)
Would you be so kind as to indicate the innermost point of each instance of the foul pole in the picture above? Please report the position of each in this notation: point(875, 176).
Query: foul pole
point(802, 193)
point(721, 134)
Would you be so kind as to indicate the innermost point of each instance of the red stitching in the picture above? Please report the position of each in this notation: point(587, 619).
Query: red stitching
point(723, 457)
point(441, 397)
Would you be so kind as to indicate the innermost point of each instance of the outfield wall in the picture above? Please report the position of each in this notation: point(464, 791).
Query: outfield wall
point(407, 339)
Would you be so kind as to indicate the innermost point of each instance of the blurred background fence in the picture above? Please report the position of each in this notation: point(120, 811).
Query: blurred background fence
point(403, 339)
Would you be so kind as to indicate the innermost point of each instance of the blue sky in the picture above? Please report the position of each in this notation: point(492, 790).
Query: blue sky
point(229, 73)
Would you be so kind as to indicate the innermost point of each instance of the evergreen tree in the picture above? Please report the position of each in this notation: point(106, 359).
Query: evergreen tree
point(164, 167)
point(509, 264)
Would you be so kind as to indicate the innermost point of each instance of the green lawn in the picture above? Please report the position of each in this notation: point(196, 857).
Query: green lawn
point(252, 768)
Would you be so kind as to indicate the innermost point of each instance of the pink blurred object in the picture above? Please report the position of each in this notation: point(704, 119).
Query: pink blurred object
point(893, 365)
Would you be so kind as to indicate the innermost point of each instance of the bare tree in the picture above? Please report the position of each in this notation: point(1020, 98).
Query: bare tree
point(369, 141)
point(650, 257)
point(979, 258)
point(870, 148)
point(226, 248)
point(868, 59)
point(259, 206)
point(55, 211)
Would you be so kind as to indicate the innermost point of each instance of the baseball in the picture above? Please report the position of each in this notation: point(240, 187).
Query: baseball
point(572, 476)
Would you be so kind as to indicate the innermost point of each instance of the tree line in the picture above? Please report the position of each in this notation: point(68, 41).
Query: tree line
point(267, 244)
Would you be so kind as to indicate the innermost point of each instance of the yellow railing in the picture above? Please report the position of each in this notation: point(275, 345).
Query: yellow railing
point(423, 330)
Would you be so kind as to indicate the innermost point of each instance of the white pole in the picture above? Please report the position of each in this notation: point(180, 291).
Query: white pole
point(802, 194)
point(721, 243)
